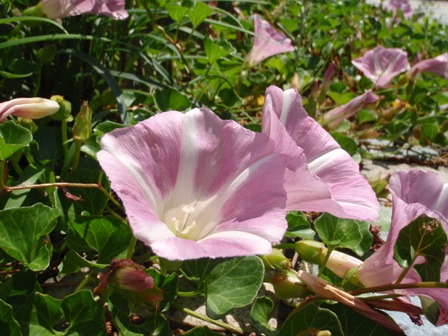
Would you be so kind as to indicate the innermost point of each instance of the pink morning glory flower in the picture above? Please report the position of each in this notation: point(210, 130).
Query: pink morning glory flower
point(334, 117)
point(336, 185)
point(268, 42)
point(437, 65)
point(55, 9)
point(414, 193)
point(196, 186)
point(402, 5)
point(381, 65)
point(28, 108)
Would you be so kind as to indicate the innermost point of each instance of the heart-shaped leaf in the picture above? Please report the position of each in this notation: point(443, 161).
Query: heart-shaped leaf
point(24, 234)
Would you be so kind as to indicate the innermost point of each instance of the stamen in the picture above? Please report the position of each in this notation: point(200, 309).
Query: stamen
point(184, 225)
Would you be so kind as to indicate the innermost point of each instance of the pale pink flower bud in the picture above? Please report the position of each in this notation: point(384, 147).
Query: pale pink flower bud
point(133, 279)
point(437, 65)
point(334, 117)
point(316, 252)
point(28, 108)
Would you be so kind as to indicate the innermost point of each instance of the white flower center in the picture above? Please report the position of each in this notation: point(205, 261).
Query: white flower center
point(182, 226)
point(192, 220)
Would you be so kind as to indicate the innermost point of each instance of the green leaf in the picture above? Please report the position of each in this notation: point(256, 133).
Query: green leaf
point(10, 75)
point(73, 262)
point(170, 99)
point(341, 98)
point(28, 177)
point(198, 269)
point(12, 138)
point(260, 314)
point(364, 116)
point(106, 127)
point(309, 320)
point(177, 13)
point(346, 143)
point(215, 51)
point(430, 308)
point(84, 315)
point(48, 310)
point(8, 324)
point(24, 234)
point(131, 320)
point(344, 233)
point(233, 283)
point(50, 142)
point(92, 200)
point(230, 97)
point(107, 235)
point(354, 324)
point(429, 131)
point(201, 331)
point(199, 13)
point(28, 315)
point(298, 226)
point(424, 237)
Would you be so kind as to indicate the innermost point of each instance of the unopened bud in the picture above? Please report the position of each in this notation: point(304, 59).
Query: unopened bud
point(276, 260)
point(65, 109)
point(28, 108)
point(287, 285)
point(132, 279)
point(315, 252)
point(34, 11)
point(82, 129)
point(311, 251)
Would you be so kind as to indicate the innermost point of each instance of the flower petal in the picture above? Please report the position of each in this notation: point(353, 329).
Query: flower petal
point(268, 42)
point(211, 172)
point(334, 117)
point(220, 245)
point(336, 185)
point(381, 64)
point(414, 193)
point(55, 9)
point(437, 65)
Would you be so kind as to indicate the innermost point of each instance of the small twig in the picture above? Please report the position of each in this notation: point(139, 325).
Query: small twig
point(55, 184)
point(221, 324)
point(425, 284)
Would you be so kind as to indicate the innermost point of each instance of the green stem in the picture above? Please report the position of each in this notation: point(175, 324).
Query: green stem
point(2, 172)
point(38, 81)
point(64, 138)
point(110, 197)
point(131, 247)
point(84, 282)
point(114, 213)
point(327, 256)
point(77, 155)
point(188, 294)
point(221, 324)
point(402, 275)
point(52, 190)
point(285, 246)
point(424, 284)
point(16, 166)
